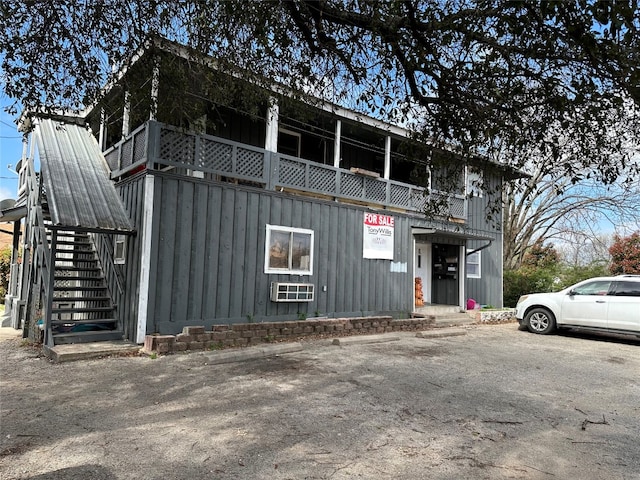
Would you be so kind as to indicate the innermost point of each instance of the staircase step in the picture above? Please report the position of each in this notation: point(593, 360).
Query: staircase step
point(95, 298)
point(90, 259)
point(81, 309)
point(77, 277)
point(73, 246)
point(90, 264)
point(85, 322)
point(86, 337)
point(72, 234)
point(84, 241)
point(453, 320)
point(80, 288)
point(71, 255)
point(69, 268)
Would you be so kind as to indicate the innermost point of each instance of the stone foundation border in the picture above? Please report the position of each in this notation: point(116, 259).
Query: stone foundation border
point(246, 334)
point(493, 316)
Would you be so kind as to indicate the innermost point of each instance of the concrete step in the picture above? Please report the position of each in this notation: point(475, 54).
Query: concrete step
point(83, 351)
point(453, 320)
point(448, 319)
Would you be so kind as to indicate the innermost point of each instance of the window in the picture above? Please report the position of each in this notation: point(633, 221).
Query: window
point(447, 179)
point(599, 287)
point(474, 182)
point(120, 250)
point(627, 289)
point(288, 250)
point(289, 142)
point(473, 265)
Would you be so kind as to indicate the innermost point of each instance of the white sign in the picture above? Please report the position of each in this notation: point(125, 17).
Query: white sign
point(377, 239)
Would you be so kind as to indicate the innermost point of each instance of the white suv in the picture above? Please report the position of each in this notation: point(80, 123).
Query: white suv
point(610, 304)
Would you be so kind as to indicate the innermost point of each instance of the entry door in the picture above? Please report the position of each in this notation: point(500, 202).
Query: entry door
point(445, 274)
point(422, 268)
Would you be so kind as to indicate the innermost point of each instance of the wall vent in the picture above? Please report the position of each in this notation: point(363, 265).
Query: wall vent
point(291, 292)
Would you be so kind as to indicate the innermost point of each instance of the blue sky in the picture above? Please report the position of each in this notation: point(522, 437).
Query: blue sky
point(10, 152)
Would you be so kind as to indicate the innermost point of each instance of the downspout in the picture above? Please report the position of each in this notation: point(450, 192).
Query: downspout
point(471, 253)
point(479, 249)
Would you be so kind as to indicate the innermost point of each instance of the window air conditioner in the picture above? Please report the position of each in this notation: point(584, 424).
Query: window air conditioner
point(291, 292)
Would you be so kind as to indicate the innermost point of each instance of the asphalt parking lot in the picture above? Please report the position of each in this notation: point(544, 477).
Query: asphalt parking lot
point(495, 403)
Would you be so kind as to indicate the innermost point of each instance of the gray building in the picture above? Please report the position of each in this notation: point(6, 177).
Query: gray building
point(195, 208)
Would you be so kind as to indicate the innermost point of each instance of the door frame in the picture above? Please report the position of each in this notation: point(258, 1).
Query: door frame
point(425, 261)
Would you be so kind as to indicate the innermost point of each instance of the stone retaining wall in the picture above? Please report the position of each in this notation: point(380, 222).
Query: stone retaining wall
point(245, 334)
point(493, 316)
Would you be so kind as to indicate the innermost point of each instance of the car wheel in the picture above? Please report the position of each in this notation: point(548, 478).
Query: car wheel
point(540, 320)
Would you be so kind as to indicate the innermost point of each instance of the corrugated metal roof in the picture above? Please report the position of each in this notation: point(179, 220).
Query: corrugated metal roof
point(76, 177)
point(12, 211)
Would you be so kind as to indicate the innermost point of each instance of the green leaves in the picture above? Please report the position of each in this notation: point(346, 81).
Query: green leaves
point(471, 74)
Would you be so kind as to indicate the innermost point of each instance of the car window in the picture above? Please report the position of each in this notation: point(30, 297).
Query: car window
point(598, 287)
point(627, 289)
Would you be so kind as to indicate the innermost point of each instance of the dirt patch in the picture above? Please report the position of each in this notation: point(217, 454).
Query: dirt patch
point(470, 406)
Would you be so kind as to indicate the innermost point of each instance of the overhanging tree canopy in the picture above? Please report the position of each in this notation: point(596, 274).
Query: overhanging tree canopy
point(486, 76)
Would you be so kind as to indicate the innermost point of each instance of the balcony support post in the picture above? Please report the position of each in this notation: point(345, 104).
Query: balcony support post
point(126, 115)
point(336, 144)
point(387, 157)
point(273, 119)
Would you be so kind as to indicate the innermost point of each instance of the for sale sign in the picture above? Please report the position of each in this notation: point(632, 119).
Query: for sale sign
point(377, 240)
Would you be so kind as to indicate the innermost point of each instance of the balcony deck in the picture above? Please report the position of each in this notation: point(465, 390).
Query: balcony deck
point(161, 147)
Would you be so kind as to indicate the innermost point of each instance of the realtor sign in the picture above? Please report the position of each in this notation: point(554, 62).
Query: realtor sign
point(377, 240)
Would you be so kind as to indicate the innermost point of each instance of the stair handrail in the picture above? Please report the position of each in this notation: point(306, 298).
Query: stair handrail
point(110, 264)
point(37, 238)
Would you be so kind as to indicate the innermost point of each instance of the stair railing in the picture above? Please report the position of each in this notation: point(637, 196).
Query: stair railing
point(104, 249)
point(40, 268)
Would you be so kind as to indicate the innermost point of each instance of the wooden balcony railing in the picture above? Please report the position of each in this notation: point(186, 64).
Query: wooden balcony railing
point(159, 146)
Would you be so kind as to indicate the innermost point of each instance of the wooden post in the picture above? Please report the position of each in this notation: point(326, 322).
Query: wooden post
point(273, 119)
point(336, 144)
point(155, 87)
point(102, 131)
point(126, 113)
point(48, 289)
point(387, 157)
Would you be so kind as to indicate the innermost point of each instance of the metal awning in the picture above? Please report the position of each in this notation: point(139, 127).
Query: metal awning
point(458, 232)
point(12, 211)
point(79, 192)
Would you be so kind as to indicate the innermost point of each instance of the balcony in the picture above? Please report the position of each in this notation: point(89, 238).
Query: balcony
point(158, 146)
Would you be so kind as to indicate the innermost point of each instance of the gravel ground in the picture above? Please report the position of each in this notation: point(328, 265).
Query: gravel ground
point(495, 403)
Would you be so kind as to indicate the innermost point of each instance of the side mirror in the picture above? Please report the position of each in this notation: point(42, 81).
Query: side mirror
point(572, 293)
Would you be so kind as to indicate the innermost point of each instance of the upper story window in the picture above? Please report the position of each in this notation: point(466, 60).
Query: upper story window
point(447, 179)
point(474, 182)
point(473, 265)
point(288, 250)
point(289, 142)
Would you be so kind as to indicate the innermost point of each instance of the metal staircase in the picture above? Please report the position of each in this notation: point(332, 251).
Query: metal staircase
point(81, 306)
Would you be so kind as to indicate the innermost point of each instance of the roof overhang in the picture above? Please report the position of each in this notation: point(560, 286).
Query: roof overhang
point(12, 211)
point(79, 192)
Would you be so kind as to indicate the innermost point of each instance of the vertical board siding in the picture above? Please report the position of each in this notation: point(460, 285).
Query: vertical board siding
point(210, 290)
point(210, 254)
point(200, 251)
point(486, 290)
point(132, 194)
